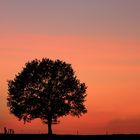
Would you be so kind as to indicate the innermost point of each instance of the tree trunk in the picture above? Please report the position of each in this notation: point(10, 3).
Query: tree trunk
point(50, 127)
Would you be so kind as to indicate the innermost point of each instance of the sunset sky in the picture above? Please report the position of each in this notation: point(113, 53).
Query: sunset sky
point(100, 38)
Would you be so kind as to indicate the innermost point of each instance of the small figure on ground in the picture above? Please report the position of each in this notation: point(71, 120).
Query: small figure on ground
point(5, 130)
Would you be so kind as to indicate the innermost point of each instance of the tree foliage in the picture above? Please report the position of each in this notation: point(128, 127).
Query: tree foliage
point(46, 89)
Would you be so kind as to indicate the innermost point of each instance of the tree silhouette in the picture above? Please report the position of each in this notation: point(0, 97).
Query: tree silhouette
point(46, 89)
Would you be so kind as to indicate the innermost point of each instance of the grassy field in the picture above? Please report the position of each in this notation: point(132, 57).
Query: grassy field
point(67, 137)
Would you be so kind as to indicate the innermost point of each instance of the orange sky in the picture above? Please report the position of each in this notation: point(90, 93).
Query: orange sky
point(101, 42)
point(110, 68)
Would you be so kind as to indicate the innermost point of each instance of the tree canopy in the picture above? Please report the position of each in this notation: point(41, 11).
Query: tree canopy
point(46, 89)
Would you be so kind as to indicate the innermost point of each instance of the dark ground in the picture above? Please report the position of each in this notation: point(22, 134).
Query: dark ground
point(67, 137)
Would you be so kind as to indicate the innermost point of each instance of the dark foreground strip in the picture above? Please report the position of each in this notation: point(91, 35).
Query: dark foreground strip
point(67, 137)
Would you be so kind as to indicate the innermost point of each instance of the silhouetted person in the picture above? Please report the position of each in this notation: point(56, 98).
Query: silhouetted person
point(5, 130)
point(12, 131)
point(77, 132)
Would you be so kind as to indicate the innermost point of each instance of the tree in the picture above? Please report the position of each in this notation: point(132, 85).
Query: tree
point(46, 89)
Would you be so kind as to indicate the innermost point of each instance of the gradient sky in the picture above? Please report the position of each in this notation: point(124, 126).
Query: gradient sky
point(100, 38)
